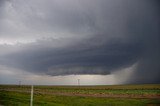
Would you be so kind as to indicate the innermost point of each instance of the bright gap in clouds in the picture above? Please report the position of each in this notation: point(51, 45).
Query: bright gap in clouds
point(15, 41)
point(61, 80)
point(8, 76)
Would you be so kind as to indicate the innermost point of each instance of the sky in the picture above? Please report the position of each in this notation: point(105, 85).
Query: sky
point(100, 42)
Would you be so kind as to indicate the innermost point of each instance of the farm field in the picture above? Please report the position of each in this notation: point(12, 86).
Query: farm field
point(111, 95)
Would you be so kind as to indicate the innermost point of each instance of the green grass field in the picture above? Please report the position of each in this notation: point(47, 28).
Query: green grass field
point(114, 95)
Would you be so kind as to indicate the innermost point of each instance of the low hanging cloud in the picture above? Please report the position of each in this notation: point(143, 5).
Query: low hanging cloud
point(73, 59)
point(81, 37)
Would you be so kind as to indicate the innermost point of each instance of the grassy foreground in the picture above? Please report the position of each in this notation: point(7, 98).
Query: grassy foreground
point(119, 95)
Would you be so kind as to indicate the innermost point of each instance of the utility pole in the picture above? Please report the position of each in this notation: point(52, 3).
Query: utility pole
point(19, 83)
point(79, 82)
point(31, 101)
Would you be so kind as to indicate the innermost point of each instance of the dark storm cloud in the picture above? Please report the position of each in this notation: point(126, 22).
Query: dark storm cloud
point(145, 25)
point(75, 59)
point(1, 6)
point(96, 37)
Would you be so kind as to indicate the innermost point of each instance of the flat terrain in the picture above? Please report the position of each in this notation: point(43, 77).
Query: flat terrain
point(111, 95)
